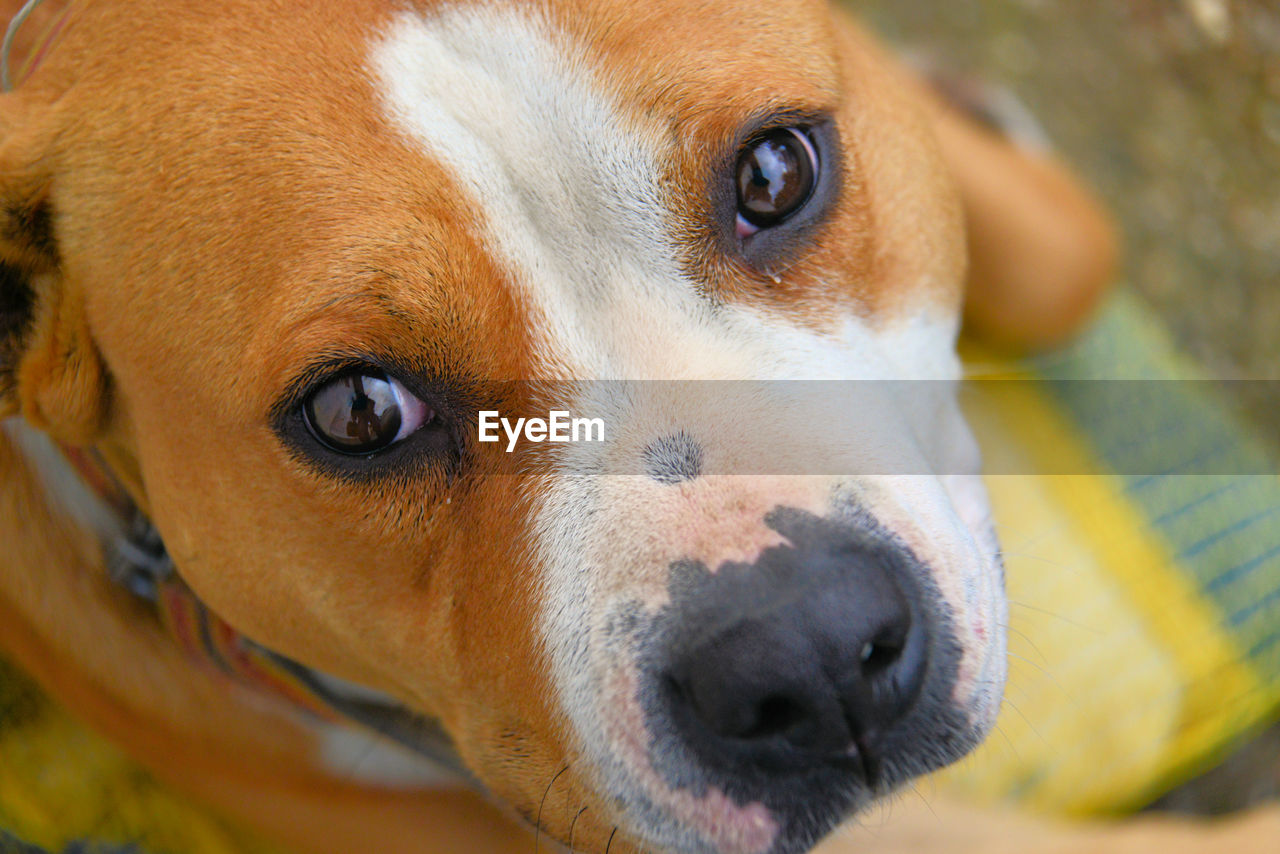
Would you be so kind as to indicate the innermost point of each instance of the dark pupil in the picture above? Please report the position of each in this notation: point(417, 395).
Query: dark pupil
point(775, 177)
point(357, 412)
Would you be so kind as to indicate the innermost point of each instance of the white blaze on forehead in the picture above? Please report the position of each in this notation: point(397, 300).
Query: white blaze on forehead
point(566, 186)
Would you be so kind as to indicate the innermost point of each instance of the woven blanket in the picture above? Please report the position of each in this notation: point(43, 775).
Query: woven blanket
point(1140, 522)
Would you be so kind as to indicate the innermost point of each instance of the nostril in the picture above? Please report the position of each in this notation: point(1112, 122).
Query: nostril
point(775, 715)
point(676, 690)
point(878, 656)
point(749, 714)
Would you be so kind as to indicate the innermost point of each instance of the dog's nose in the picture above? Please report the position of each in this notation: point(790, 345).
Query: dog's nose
point(811, 658)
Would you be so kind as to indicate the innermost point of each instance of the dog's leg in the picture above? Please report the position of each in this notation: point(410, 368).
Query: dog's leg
point(1042, 251)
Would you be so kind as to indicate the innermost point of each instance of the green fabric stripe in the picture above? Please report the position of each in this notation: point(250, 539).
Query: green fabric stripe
point(1224, 527)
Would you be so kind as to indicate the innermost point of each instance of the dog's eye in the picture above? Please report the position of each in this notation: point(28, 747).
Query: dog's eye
point(362, 411)
point(776, 175)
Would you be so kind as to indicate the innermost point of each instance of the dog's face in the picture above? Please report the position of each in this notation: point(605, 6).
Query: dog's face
point(286, 257)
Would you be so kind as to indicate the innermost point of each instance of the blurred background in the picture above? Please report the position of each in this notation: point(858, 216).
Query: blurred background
point(1171, 110)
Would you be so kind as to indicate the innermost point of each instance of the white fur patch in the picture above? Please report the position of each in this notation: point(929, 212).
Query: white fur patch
point(62, 483)
point(567, 188)
point(352, 753)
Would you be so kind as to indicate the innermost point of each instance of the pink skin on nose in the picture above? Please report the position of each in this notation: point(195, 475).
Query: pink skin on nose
point(737, 538)
point(715, 817)
point(715, 520)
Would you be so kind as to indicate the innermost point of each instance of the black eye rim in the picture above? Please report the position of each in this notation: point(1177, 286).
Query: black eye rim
point(776, 247)
point(801, 132)
point(309, 417)
point(437, 444)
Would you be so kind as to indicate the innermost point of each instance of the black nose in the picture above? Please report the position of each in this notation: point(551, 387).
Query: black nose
point(809, 654)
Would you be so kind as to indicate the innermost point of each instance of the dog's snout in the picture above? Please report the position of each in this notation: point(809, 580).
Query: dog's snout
point(811, 661)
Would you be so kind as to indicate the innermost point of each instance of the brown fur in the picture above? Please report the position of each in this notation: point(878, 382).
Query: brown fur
point(187, 284)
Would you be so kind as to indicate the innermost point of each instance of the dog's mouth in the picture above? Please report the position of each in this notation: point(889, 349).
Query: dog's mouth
point(420, 734)
point(766, 702)
point(777, 785)
point(754, 794)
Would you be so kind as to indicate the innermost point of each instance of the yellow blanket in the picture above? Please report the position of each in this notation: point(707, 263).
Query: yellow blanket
point(1143, 563)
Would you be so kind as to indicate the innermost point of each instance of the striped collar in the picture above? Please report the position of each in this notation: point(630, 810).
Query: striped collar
point(139, 563)
point(40, 46)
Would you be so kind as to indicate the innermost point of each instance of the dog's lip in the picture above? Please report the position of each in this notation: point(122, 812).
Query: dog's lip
point(379, 712)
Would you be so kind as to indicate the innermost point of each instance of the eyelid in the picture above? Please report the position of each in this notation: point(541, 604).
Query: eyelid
point(777, 247)
point(315, 375)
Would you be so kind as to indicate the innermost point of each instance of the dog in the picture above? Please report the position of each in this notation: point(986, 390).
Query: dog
point(266, 265)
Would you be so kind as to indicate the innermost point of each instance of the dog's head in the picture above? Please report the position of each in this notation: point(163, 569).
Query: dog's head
point(275, 259)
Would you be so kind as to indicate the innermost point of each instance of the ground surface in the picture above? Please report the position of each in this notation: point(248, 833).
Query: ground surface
point(1171, 109)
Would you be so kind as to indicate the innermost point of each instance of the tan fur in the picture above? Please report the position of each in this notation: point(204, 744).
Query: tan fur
point(165, 352)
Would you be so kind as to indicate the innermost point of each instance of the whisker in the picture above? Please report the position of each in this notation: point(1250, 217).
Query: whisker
point(609, 844)
point(922, 798)
point(537, 825)
point(1029, 541)
point(1063, 617)
point(1044, 663)
point(1041, 559)
point(1013, 685)
point(1026, 637)
point(1025, 720)
point(1043, 671)
point(1013, 748)
point(572, 825)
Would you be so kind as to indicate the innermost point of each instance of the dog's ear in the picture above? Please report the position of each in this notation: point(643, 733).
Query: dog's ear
point(50, 369)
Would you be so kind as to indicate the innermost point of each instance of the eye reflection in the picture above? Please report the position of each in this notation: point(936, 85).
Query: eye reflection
point(363, 411)
point(776, 175)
